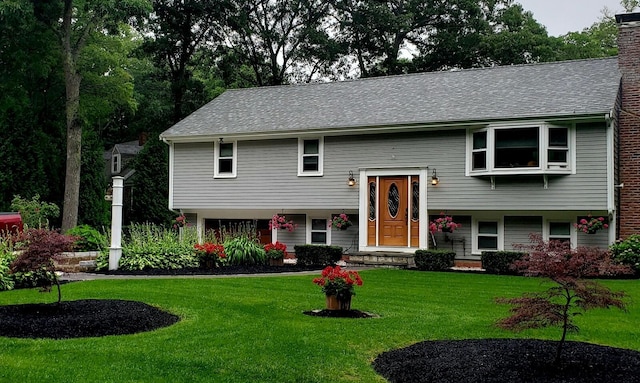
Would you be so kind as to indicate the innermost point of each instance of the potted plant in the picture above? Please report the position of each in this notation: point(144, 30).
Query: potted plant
point(444, 224)
point(180, 221)
point(591, 225)
point(338, 286)
point(280, 222)
point(276, 253)
point(210, 255)
point(340, 222)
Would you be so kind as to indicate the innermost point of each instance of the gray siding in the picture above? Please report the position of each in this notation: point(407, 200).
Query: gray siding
point(517, 230)
point(599, 239)
point(267, 175)
point(297, 236)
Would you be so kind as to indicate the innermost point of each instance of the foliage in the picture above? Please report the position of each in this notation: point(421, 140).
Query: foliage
point(35, 213)
point(277, 250)
point(88, 238)
point(627, 252)
point(37, 249)
point(570, 295)
point(147, 246)
point(338, 282)
point(280, 222)
point(93, 209)
point(499, 262)
point(6, 258)
point(151, 184)
point(434, 260)
point(443, 223)
point(319, 255)
point(210, 255)
point(243, 250)
point(340, 222)
point(591, 224)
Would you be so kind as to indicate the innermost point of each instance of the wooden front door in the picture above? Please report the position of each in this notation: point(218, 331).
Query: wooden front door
point(394, 212)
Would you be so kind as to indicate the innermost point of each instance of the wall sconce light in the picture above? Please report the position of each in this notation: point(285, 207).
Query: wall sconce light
point(434, 178)
point(351, 181)
point(221, 140)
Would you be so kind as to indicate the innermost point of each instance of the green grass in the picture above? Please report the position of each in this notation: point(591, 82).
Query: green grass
point(253, 330)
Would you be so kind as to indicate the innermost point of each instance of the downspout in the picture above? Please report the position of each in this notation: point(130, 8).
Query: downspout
point(612, 160)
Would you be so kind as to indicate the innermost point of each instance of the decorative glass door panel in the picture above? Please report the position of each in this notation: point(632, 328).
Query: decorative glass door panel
point(394, 211)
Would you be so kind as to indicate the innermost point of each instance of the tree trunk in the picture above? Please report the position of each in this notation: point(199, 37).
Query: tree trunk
point(74, 127)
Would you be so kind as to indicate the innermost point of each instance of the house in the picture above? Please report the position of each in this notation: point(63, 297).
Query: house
point(506, 151)
point(119, 161)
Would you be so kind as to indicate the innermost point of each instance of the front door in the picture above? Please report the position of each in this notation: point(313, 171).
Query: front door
point(394, 212)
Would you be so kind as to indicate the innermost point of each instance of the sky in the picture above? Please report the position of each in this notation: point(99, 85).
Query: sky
point(562, 16)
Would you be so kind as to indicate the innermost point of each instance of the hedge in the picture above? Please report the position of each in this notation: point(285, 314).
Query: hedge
point(499, 262)
point(317, 255)
point(434, 260)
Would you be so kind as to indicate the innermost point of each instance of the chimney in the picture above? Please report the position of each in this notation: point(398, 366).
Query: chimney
point(628, 120)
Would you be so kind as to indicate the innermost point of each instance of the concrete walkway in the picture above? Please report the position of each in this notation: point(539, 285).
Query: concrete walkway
point(94, 276)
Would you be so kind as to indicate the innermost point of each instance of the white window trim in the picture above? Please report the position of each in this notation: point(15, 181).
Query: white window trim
point(546, 230)
point(318, 173)
point(474, 234)
point(116, 163)
point(544, 167)
point(327, 229)
point(216, 158)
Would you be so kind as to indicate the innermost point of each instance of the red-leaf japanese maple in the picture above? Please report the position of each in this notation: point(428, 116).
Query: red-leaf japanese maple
point(571, 295)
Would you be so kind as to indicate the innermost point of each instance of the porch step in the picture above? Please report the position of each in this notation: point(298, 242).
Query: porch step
point(382, 259)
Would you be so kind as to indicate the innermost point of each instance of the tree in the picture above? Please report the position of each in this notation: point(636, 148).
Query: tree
point(37, 250)
point(178, 30)
point(273, 37)
point(518, 39)
point(73, 22)
point(572, 293)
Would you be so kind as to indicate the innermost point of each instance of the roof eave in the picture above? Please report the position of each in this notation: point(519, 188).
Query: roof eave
point(370, 129)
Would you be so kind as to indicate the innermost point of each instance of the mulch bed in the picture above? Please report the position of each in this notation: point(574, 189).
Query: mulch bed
point(506, 361)
point(81, 318)
point(340, 314)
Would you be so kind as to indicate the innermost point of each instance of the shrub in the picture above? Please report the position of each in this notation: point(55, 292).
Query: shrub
point(627, 252)
point(7, 256)
point(89, 239)
point(35, 213)
point(570, 295)
point(318, 255)
point(37, 250)
point(499, 262)
point(148, 246)
point(243, 250)
point(434, 260)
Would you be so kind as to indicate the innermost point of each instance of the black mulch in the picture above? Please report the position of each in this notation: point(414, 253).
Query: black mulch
point(81, 318)
point(340, 314)
point(508, 360)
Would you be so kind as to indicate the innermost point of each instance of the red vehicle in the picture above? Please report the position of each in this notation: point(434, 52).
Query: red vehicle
point(10, 223)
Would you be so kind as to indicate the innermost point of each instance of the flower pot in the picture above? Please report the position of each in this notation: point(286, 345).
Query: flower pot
point(333, 303)
point(276, 262)
point(592, 231)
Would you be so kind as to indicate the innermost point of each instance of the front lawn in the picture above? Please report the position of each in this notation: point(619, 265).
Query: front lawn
point(252, 329)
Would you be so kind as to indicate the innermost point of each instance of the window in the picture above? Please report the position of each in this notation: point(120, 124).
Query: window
point(225, 160)
point(560, 231)
point(319, 231)
point(519, 149)
point(116, 164)
point(372, 201)
point(487, 235)
point(310, 156)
